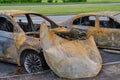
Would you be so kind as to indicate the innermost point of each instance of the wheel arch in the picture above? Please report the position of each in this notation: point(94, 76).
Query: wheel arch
point(24, 52)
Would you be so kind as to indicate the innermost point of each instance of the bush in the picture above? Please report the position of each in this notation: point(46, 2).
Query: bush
point(79, 0)
point(83, 0)
point(50, 1)
point(39, 1)
point(19, 1)
point(74, 0)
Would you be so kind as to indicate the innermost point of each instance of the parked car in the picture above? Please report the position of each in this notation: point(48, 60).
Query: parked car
point(104, 26)
point(19, 38)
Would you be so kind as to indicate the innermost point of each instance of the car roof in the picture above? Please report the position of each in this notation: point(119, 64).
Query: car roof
point(14, 12)
point(105, 13)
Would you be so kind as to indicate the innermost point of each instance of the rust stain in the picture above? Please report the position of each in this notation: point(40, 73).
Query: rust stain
point(50, 35)
point(60, 29)
point(19, 39)
point(56, 30)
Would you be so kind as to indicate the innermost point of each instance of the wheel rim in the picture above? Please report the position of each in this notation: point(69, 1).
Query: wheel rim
point(32, 63)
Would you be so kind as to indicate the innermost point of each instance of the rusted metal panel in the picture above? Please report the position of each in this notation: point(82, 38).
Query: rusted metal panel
point(70, 58)
point(18, 40)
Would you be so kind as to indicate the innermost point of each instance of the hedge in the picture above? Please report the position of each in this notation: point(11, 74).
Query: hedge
point(38, 1)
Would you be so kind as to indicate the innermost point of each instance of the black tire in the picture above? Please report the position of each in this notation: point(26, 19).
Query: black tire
point(33, 63)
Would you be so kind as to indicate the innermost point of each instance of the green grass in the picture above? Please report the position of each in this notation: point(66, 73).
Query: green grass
point(82, 8)
point(103, 0)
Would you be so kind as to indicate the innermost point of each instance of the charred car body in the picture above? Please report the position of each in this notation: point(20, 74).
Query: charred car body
point(19, 39)
point(69, 52)
point(104, 26)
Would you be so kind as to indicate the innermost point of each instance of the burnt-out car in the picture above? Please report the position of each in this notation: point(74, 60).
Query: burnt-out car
point(19, 38)
point(104, 26)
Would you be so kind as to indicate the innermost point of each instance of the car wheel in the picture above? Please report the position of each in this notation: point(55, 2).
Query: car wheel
point(33, 63)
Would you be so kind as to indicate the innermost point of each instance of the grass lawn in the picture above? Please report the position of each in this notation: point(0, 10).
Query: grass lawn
point(67, 9)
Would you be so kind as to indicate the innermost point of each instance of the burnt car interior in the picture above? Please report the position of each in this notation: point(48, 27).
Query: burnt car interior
point(73, 34)
point(26, 23)
point(30, 22)
point(85, 21)
point(106, 22)
point(5, 25)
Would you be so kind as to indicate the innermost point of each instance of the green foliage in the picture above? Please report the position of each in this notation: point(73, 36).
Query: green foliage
point(103, 0)
point(39, 1)
point(74, 0)
point(19, 1)
point(34, 1)
point(50, 1)
point(77, 0)
point(5, 1)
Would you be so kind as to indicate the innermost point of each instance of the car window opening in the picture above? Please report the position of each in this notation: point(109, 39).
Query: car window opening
point(30, 23)
point(5, 25)
point(85, 21)
point(106, 22)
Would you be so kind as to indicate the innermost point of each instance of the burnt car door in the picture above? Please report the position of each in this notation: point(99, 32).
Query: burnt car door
point(7, 44)
point(115, 34)
point(103, 31)
point(108, 32)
